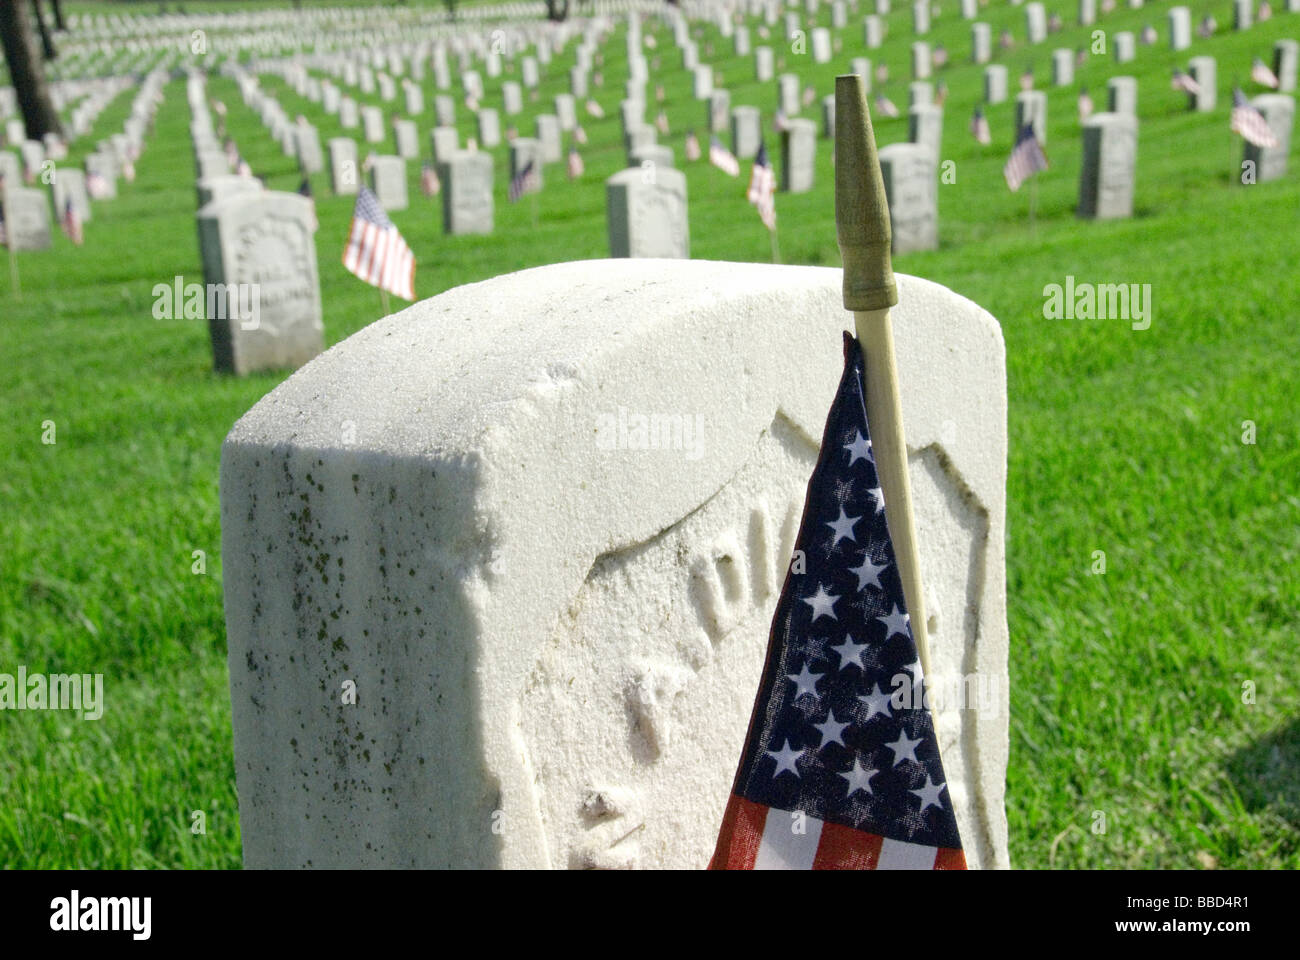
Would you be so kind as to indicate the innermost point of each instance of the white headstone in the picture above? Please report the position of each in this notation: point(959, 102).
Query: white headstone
point(1203, 71)
point(490, 684)
point(27, 218)
point(259, 263)
point(798, 153)
point(467, 205)
point(647, 213)
point(1270, 162)
point(1109, 166)
point(388, 181)
point(343, 165)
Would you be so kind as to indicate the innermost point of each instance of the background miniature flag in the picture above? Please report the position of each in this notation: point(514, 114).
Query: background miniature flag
point(692, 146)
point(375, 250)
point(762, 188)
point(429, 182)
point(71, 223)
point(661, 123)
point(1249, 122)
point(722, 158)
point(979, 127)
point(1027, 158)
point(1183, 81)
point(525, 181)
point(1027, 79)
point(886, 106)
point(841, 766)
point(1085, 104)
point(1262, 75)
point(595, 109)
point(96, 185)
point(576, 165)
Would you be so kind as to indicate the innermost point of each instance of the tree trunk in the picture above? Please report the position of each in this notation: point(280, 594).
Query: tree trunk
point(557, 10)
point(27, 72)
point(47, 42)
point(60, 24)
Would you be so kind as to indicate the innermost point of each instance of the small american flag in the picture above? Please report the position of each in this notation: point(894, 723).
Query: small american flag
point(940, 56)
point(375, 250)
point(809, 96)
point(71, 223)
point(940, 93)
point(576, 166)
point(595, 109)
point(1265, 12)
point(128, 170)
point(580, 135)
point(429, 182)
point(96, 185)
point(979, 127)
point(1149, 35)
point(1261, 74)
point(1207, 27)
point(1183, 81)
point(1027, 158)
point(841, 767)
point(882, 74)
point(661, 123)
point(886, 106)
point(525, 181)
point(723, 159)
point(244, 170)
point(762, 188)
point(692, 146)
point(1085, 104)
point(659, 93)
point(1249, 122)
point(779, 122)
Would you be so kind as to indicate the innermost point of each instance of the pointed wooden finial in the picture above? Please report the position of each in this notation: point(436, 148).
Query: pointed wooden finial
point(861, 208)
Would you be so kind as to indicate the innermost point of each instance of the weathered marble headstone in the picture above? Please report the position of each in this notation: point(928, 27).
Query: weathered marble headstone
point(1087, 12)
point(224, 185)
point(1203, 71)
point(921, 17)
point(969, 9)
point(647, 213)
point(911, 184)
point(995, 83)
point(921, 60)
point(406, 139)
point(105, 166)
point(548, 136)
point(702, 82)
point(489, 128)
point(11, 171)
point(388, 181)
point(443, 142)
point(349, 114)
point(654, 154)
point(740, 42)
point(414, 99)
point(1243, 14)
point(925, 127)
point(873, 31)
point(764, 64)
point(1031, 108)
point(1106, 179)
point(578, 82)
point(69, 184)
point(862, 67)
point(798, 153)
point(1035, 22)
point(787, 94)
point(1062, 67)
point(746, 131)
point(1180, 28)
point(467, 205)
point(828, 117)
point(343, 165)
point(1125, 45)
point(27, 218)
point(568, 684)
point(1286, 52)
point(821, 45)
point(1270, 162)
point(444, 110)
point(372, 124)
point(1123, 94)
point(919, 93)
point(307, 148)
point(259, 263)
point(566, 111)
point(512, 98)
point(981, 43)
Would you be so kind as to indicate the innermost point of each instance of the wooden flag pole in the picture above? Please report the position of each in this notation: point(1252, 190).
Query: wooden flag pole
point(383, 299)
point(13, 269)
point(864, 234)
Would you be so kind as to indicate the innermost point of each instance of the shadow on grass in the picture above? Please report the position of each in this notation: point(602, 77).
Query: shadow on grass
point(1266, 774)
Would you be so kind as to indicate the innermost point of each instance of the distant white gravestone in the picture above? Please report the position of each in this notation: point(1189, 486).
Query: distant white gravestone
point(511, 610)
point(259, 255)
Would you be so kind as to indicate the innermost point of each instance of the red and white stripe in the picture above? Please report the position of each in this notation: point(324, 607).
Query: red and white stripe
point(379, 256)
point(757, 837)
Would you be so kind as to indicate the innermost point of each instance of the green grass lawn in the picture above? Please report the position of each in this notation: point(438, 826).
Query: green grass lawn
point(1126, 687)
